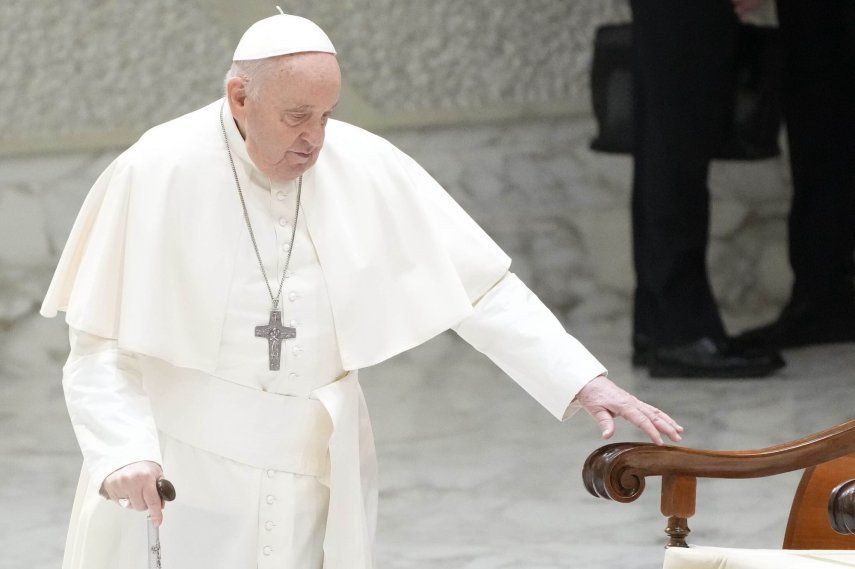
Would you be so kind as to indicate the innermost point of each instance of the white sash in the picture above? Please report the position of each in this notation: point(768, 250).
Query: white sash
point(327, 435)
point(254, 427)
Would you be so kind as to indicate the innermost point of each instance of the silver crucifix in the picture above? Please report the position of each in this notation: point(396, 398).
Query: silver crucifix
point(275, 333)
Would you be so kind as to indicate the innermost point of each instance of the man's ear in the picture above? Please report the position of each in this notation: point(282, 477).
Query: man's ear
point(236, 95)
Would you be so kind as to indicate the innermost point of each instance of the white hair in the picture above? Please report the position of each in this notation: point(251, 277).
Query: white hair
point(253, 71)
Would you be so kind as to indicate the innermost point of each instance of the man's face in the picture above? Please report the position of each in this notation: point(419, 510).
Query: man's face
point(284, 126)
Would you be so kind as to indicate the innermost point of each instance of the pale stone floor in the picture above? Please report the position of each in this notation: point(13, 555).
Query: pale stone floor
point(474, 474)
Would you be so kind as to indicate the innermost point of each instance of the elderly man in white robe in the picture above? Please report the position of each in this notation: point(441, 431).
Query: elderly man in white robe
point(188, 361)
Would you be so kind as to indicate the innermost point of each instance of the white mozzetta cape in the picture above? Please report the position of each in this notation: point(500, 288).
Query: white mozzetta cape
point(150, 257)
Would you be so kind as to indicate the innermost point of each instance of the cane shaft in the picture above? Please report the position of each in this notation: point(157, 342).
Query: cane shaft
point(153, 545)
point(167, 493)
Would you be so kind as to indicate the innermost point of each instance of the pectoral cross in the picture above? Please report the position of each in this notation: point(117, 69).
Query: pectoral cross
point(275, 333)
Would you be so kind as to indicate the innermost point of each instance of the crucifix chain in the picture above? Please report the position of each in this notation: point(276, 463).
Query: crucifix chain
point(274, 331)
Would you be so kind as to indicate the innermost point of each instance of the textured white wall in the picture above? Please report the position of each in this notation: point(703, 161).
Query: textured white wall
point(412, 55)
point(93, 73)
point(96, 73)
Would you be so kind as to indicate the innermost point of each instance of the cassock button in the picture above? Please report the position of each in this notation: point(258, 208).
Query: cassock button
point(283, 222)
point(267, 550)
point(268, 525)
point(270, 498)
point(293, 375)
point(270, 473)
point(292, 296)
point(280, 196)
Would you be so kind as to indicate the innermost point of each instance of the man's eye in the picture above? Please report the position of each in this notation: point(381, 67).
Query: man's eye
point(296, 117)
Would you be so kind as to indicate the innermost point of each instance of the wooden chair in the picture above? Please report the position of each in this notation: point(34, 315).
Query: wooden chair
point(823, 511)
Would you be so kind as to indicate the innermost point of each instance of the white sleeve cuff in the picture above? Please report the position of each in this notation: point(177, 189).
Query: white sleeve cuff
point(520, 334)
point(575, 405)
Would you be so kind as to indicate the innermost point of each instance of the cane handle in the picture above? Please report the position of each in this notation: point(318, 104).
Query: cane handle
point(165, 489)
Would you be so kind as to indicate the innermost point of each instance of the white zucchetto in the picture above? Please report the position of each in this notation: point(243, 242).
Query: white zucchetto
point(281, 34)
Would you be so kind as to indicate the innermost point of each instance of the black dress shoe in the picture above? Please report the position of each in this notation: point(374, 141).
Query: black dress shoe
point(710, 358)
point(803, 324)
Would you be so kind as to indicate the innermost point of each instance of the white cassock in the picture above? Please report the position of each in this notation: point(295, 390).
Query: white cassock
point(162, 290)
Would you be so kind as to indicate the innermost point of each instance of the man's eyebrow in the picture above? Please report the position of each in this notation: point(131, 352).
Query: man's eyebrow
point(308, 107)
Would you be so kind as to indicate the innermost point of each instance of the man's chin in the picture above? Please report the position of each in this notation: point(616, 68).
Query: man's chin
point(283, 175)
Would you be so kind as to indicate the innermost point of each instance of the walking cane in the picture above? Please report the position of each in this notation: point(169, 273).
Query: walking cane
point(166, 491)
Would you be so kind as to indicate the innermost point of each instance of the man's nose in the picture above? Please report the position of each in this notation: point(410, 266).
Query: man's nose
point(314, 134)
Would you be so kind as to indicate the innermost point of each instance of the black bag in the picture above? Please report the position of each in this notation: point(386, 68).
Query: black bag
point(755, 115)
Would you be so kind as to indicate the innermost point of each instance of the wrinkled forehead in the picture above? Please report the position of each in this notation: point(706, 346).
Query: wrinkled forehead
point(311, 79)
point(309, 66)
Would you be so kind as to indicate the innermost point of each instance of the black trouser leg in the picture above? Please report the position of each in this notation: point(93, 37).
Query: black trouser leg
point(819, 106)
point(683, 69)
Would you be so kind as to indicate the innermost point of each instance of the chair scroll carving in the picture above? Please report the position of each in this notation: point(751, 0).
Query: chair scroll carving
point(618, 472)
point(841, 508)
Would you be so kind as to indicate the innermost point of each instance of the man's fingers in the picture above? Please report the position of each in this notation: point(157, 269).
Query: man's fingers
point(635, 416)
point(667, 428)
point(153, 503)
point(655, 414)
point(109, 493)
point(673, 423)
point(605, 420)
point(604, 401)
point(660, 421)
point(137, 500)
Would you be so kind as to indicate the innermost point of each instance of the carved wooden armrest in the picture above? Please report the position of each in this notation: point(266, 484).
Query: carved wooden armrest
point(617, 471)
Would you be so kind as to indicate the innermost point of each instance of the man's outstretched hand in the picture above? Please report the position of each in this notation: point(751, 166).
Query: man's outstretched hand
point(604, 401)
